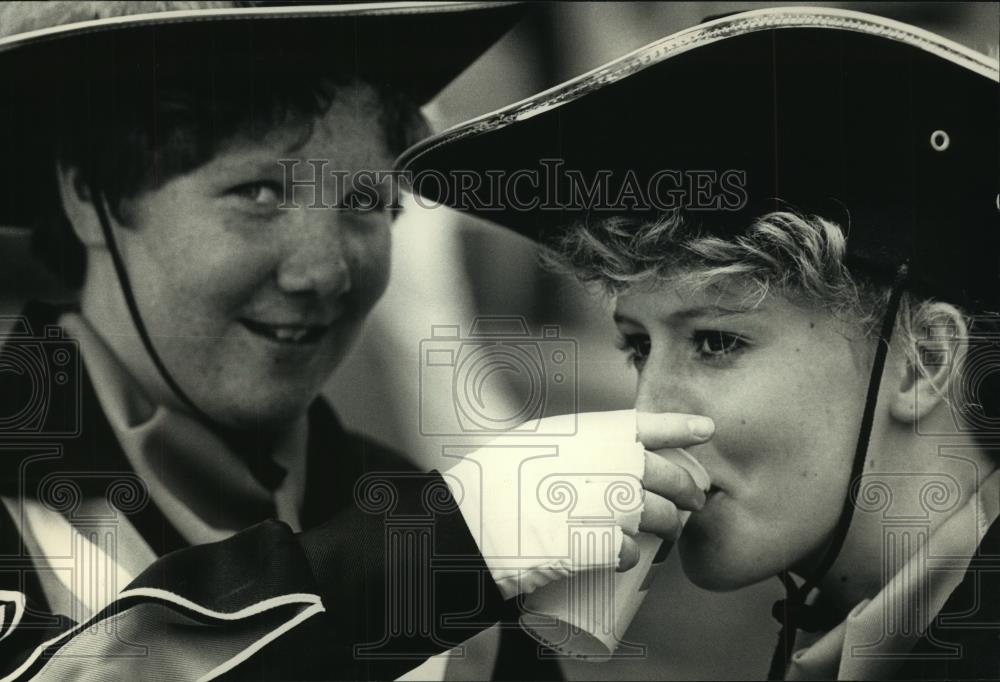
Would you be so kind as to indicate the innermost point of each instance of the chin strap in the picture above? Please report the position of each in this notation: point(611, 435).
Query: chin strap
point(792, 612)
point(133, 309)
point(264, 469)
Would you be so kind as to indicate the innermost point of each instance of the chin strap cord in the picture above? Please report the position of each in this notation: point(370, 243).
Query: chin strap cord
point(126, 286)
point(264, 469)
point(792, 612)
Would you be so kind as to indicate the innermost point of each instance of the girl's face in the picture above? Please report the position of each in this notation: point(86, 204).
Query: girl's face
point(252, 303)
point(785, 385)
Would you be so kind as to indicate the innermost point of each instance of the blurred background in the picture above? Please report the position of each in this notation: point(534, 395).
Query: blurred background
point(449, 270)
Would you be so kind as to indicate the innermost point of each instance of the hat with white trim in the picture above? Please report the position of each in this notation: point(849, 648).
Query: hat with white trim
point(63, 56)
point(883, 127)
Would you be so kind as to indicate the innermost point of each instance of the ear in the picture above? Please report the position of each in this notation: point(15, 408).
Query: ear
point(932, 363)
point(79, 207)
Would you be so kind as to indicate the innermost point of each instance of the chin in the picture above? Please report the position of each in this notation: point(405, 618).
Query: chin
point(712, 569)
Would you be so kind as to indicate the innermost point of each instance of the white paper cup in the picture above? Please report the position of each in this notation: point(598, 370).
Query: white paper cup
point(586, 615)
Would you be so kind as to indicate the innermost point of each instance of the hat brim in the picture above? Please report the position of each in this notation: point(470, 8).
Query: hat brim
point(412, 49)
point(419, 46)
point(825, 111)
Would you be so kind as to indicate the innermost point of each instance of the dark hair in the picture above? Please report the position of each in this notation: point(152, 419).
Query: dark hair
point(165, 114)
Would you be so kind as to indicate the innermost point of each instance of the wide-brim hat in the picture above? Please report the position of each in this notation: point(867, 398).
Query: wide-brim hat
point(48, 49)
point(886, 128)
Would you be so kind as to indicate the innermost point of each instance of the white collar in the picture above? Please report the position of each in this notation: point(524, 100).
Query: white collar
point(878, 633)
point(203, 488)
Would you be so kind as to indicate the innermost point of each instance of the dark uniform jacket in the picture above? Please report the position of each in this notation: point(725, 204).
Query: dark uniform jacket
point(384, 574)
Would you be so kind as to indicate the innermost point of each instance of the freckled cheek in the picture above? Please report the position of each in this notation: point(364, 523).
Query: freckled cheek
point(761, 441)
point(226, 282)
point(370, 261)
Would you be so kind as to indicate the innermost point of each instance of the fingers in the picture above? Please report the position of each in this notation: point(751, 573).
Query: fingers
point(660, 517)
point(670, 481)
point(628, 556)
point(672, 429)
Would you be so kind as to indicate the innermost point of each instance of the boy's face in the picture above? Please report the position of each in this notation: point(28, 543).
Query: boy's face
point(785, 385)
point(251, 306)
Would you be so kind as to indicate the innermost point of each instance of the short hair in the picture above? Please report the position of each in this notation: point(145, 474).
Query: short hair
point(132, 133)
point(799, 257)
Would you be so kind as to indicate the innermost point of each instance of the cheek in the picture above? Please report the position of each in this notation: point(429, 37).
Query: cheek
point(786, 436)
point(371, 262)
point(192, 262)
point(224, 272)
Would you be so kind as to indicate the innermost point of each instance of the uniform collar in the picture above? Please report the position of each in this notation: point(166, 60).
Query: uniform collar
point(204, 488)
point(878, 633)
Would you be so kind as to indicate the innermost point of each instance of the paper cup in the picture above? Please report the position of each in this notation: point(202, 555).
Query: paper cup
point(586, 615)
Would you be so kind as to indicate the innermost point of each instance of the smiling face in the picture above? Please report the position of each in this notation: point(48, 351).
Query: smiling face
point(785, 385)
point(252, 306)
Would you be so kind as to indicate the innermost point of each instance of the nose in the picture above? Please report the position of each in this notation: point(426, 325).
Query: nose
point(661, 386)
point(649, 396)
point(317, 258)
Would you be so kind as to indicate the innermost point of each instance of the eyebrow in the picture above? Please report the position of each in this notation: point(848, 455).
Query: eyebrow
point(695, 312)
point(248, 164)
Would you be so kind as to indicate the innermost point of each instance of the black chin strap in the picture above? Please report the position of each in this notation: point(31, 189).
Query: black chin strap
point(133, 308)
point(264, 469)
point(792, 612)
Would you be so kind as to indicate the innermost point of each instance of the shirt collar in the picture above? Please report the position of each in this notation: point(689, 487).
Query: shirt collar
point(879, 632)
point(204, 488)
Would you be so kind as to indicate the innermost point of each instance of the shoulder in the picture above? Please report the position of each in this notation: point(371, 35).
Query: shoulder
point(337, 461)
point(365, 454)
point(58, 422)
point(963, 640)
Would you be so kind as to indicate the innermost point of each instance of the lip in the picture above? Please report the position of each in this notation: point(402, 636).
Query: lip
point(286, 334)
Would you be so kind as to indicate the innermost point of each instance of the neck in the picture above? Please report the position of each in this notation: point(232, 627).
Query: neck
point(103, 305)
point(933, 488)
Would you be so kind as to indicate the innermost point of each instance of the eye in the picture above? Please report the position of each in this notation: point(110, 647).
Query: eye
point(265, 195)
point(636, 347)
point(366, 200)
point(714, 344)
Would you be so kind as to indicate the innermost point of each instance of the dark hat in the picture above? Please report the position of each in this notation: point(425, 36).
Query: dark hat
point(48, 50)
point(886, 128)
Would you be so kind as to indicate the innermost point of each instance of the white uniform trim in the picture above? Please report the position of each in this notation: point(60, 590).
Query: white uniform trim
point(18, 600)
point(262, 642)
point(314, 602)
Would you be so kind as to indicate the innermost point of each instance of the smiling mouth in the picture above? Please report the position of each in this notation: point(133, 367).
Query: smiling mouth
point(291, 334)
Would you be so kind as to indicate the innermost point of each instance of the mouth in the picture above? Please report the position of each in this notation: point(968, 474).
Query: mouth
point(287, 334)
point(711, 493)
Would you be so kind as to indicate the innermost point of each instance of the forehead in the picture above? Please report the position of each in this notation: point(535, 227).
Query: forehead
point(349, 134)
point(675, 305)
point(686, 290)
point(679, 306)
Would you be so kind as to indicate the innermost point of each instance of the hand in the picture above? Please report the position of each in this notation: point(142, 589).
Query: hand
point(674, 481)
point(524, 497)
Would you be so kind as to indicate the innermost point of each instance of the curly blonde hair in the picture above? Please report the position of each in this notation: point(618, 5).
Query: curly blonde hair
point(799, 257)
